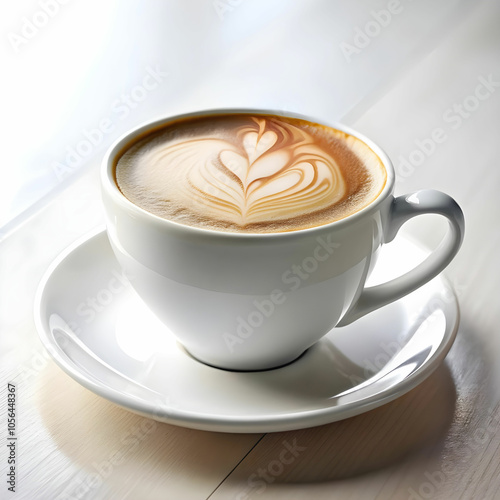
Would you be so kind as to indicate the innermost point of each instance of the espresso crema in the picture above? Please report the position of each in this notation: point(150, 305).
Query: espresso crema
point(249, 173)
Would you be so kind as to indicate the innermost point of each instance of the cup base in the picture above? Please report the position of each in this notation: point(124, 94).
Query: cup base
point(263, 368)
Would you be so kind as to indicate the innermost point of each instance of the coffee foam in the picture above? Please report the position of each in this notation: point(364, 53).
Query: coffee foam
point(250, 173)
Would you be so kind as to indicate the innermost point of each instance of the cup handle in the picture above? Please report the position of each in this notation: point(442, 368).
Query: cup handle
point(402, 209)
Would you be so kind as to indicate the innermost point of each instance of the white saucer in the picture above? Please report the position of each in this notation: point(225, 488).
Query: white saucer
point(98, 330)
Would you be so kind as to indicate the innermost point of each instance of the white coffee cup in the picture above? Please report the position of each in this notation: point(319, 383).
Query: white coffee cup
point(244, 301)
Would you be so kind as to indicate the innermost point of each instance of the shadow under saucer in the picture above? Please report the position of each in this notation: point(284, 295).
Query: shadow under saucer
point(358, 445)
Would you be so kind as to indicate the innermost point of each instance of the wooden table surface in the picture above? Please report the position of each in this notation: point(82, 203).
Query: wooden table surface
point(440, 440)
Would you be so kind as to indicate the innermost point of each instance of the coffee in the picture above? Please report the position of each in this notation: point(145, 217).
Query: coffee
point(252, 173)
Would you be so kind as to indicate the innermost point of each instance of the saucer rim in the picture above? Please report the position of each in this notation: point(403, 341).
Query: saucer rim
point(286, 421)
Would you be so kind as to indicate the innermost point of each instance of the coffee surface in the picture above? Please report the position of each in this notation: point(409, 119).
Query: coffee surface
point(249, 173)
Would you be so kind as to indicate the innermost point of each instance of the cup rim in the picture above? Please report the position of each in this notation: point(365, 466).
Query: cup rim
point(109, 185)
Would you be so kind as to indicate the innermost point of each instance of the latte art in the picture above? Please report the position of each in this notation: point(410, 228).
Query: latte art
point(273, 171)
point(245, 172)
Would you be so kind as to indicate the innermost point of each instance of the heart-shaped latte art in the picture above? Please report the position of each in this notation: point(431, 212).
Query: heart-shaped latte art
point(267, 171)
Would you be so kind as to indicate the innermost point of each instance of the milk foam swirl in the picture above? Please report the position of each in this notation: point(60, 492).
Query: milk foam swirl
point(263, 171)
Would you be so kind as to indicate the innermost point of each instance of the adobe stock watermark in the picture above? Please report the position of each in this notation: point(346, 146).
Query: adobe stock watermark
point(423, 318)
point(38, 360)
point(79, 487)
point(223, 7)
point(293, 279)
point(32, 25)
point(92, 306)
point(481, 436)
point(363, 36)
point(121, 108)
point(259, 480)
point(454, 117)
